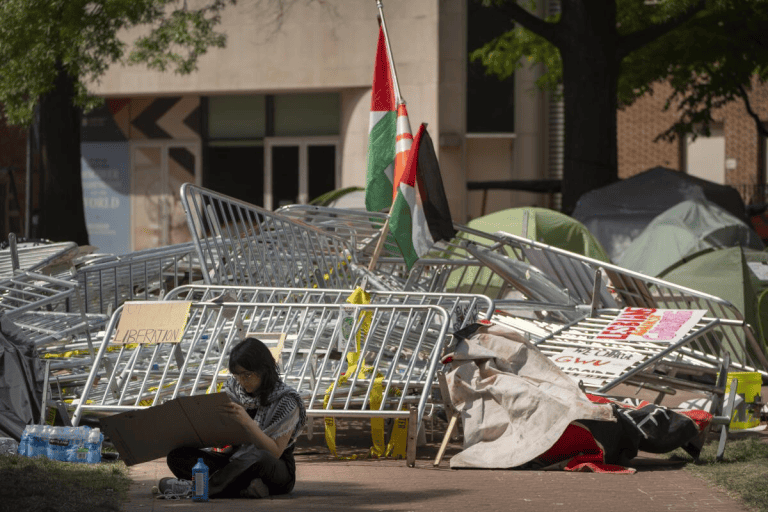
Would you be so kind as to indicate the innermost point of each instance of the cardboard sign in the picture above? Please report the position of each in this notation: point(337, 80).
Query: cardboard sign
point(598, 361)
point(147, 434)
point(152, 322)
point(650, 324)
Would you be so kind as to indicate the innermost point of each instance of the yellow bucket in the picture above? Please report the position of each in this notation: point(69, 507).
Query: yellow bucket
point(746, 414)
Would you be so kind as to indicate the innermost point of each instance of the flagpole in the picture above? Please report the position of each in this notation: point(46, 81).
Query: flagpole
point(398, 98)
point(400, 101)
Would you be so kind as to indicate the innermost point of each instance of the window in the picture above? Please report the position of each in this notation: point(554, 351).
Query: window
point(239, 128)
point(490, 101)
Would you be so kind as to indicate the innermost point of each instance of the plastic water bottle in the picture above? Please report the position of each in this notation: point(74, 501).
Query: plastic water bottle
point(24, 442)
point(77, 450)
point(200, 481)
point(35, 440)
point(58, 445)
point(95, 438)
point(45, 448)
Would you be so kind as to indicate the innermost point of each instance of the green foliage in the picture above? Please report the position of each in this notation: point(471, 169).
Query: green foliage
point(507, 53)
point(711, 59)
point(37, 36)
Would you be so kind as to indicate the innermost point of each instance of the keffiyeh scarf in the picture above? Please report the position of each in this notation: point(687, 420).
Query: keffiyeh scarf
point(284, 413)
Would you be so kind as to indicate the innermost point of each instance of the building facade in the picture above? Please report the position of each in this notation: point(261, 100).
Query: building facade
point(734, 153)
point(281, 115)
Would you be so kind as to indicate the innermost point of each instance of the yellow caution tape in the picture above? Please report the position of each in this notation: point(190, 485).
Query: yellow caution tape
point(359, 296)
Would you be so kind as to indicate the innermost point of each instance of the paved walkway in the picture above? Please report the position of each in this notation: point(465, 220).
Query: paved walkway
point(325, 483)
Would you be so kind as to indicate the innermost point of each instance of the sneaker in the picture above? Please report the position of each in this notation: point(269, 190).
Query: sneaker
point(256, 489)
point(175, 487)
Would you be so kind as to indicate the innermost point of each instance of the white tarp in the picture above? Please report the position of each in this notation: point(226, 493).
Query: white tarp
point(515, 402)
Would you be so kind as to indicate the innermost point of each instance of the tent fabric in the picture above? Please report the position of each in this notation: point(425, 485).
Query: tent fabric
point(546, 226)
point(521, 411)
point(616, 214)
point(21, 381)
point(686, 229)
point(724, 273)
point(514, 402)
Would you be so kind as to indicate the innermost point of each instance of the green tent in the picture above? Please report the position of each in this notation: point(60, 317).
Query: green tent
point(544, 225)
point(682, 232)
point(727, 274)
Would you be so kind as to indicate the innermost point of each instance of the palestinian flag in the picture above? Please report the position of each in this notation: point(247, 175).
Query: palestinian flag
point(420, 215)
point(382, 132)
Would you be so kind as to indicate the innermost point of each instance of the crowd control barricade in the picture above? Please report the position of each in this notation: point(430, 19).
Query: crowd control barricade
point(619, 287)
point(462, 309)
point(242, 244)
point(347, 361)
point(363, 228)
point(49, 313)
point(140, 275)
point(600, 360)
point(34, 257)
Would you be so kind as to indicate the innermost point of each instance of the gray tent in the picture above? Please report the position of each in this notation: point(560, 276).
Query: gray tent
point(683, 231)
point(616, 214)
point(21, 381)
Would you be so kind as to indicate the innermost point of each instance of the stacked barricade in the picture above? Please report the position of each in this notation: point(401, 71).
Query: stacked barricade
point(141, 275)
point(346, 360)
point(241, 244)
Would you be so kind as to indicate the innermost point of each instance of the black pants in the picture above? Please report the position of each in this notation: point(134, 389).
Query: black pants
point(279, 475)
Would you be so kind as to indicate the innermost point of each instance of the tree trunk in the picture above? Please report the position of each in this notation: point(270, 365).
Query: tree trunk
point(590, 78)
point(62, 216)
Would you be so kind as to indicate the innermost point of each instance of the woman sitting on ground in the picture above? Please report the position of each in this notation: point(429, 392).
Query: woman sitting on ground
point(273, 414)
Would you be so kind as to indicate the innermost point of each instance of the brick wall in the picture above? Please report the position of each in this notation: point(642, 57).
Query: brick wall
point(640, 123)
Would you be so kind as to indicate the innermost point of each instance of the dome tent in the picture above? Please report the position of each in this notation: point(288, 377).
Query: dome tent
point(682, 231)
point(544, 225)
point(617, 213)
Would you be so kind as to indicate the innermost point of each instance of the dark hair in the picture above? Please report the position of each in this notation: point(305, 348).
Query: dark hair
point(254, 356)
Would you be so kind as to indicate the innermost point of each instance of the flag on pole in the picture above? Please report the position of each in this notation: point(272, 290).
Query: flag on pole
point(420, 215)
point(402, 147)
point(382, 133)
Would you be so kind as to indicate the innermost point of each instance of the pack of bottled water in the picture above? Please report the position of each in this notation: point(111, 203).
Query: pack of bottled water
point(67, 444)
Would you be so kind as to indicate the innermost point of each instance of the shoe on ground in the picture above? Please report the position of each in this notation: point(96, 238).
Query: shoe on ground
point(256, 489)
point(175, 486)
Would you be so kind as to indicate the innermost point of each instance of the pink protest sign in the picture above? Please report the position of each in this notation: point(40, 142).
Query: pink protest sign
point(651, 324)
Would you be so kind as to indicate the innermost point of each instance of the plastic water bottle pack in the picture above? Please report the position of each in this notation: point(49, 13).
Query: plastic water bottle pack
point(67, 444)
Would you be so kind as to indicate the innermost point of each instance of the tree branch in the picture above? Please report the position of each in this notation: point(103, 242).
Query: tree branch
point(761, 129)
point(636, 40)
point(530, 21)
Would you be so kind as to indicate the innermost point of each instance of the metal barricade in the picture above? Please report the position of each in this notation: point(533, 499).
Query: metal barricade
point(399, 349)
point(665, 367)
point(34, 257)
point(49, 313)
point(241, 244)
point(619, 287)
point(361, 227)
point(147, 275)
point(463, 309)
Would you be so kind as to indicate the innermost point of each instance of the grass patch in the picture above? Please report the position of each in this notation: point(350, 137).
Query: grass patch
point(742, 473)
point(52, 486)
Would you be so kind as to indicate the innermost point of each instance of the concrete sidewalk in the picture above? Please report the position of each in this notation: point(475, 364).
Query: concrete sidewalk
point(325, 483)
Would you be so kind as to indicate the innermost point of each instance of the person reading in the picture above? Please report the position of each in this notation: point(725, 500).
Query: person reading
point(272, 413)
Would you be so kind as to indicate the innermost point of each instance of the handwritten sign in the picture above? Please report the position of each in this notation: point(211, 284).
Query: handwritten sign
point(596, 361)
point(152, 322)
point(651, 324)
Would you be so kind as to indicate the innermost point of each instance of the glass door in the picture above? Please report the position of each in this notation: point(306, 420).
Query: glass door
point(297, 170)
point(158, 171)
